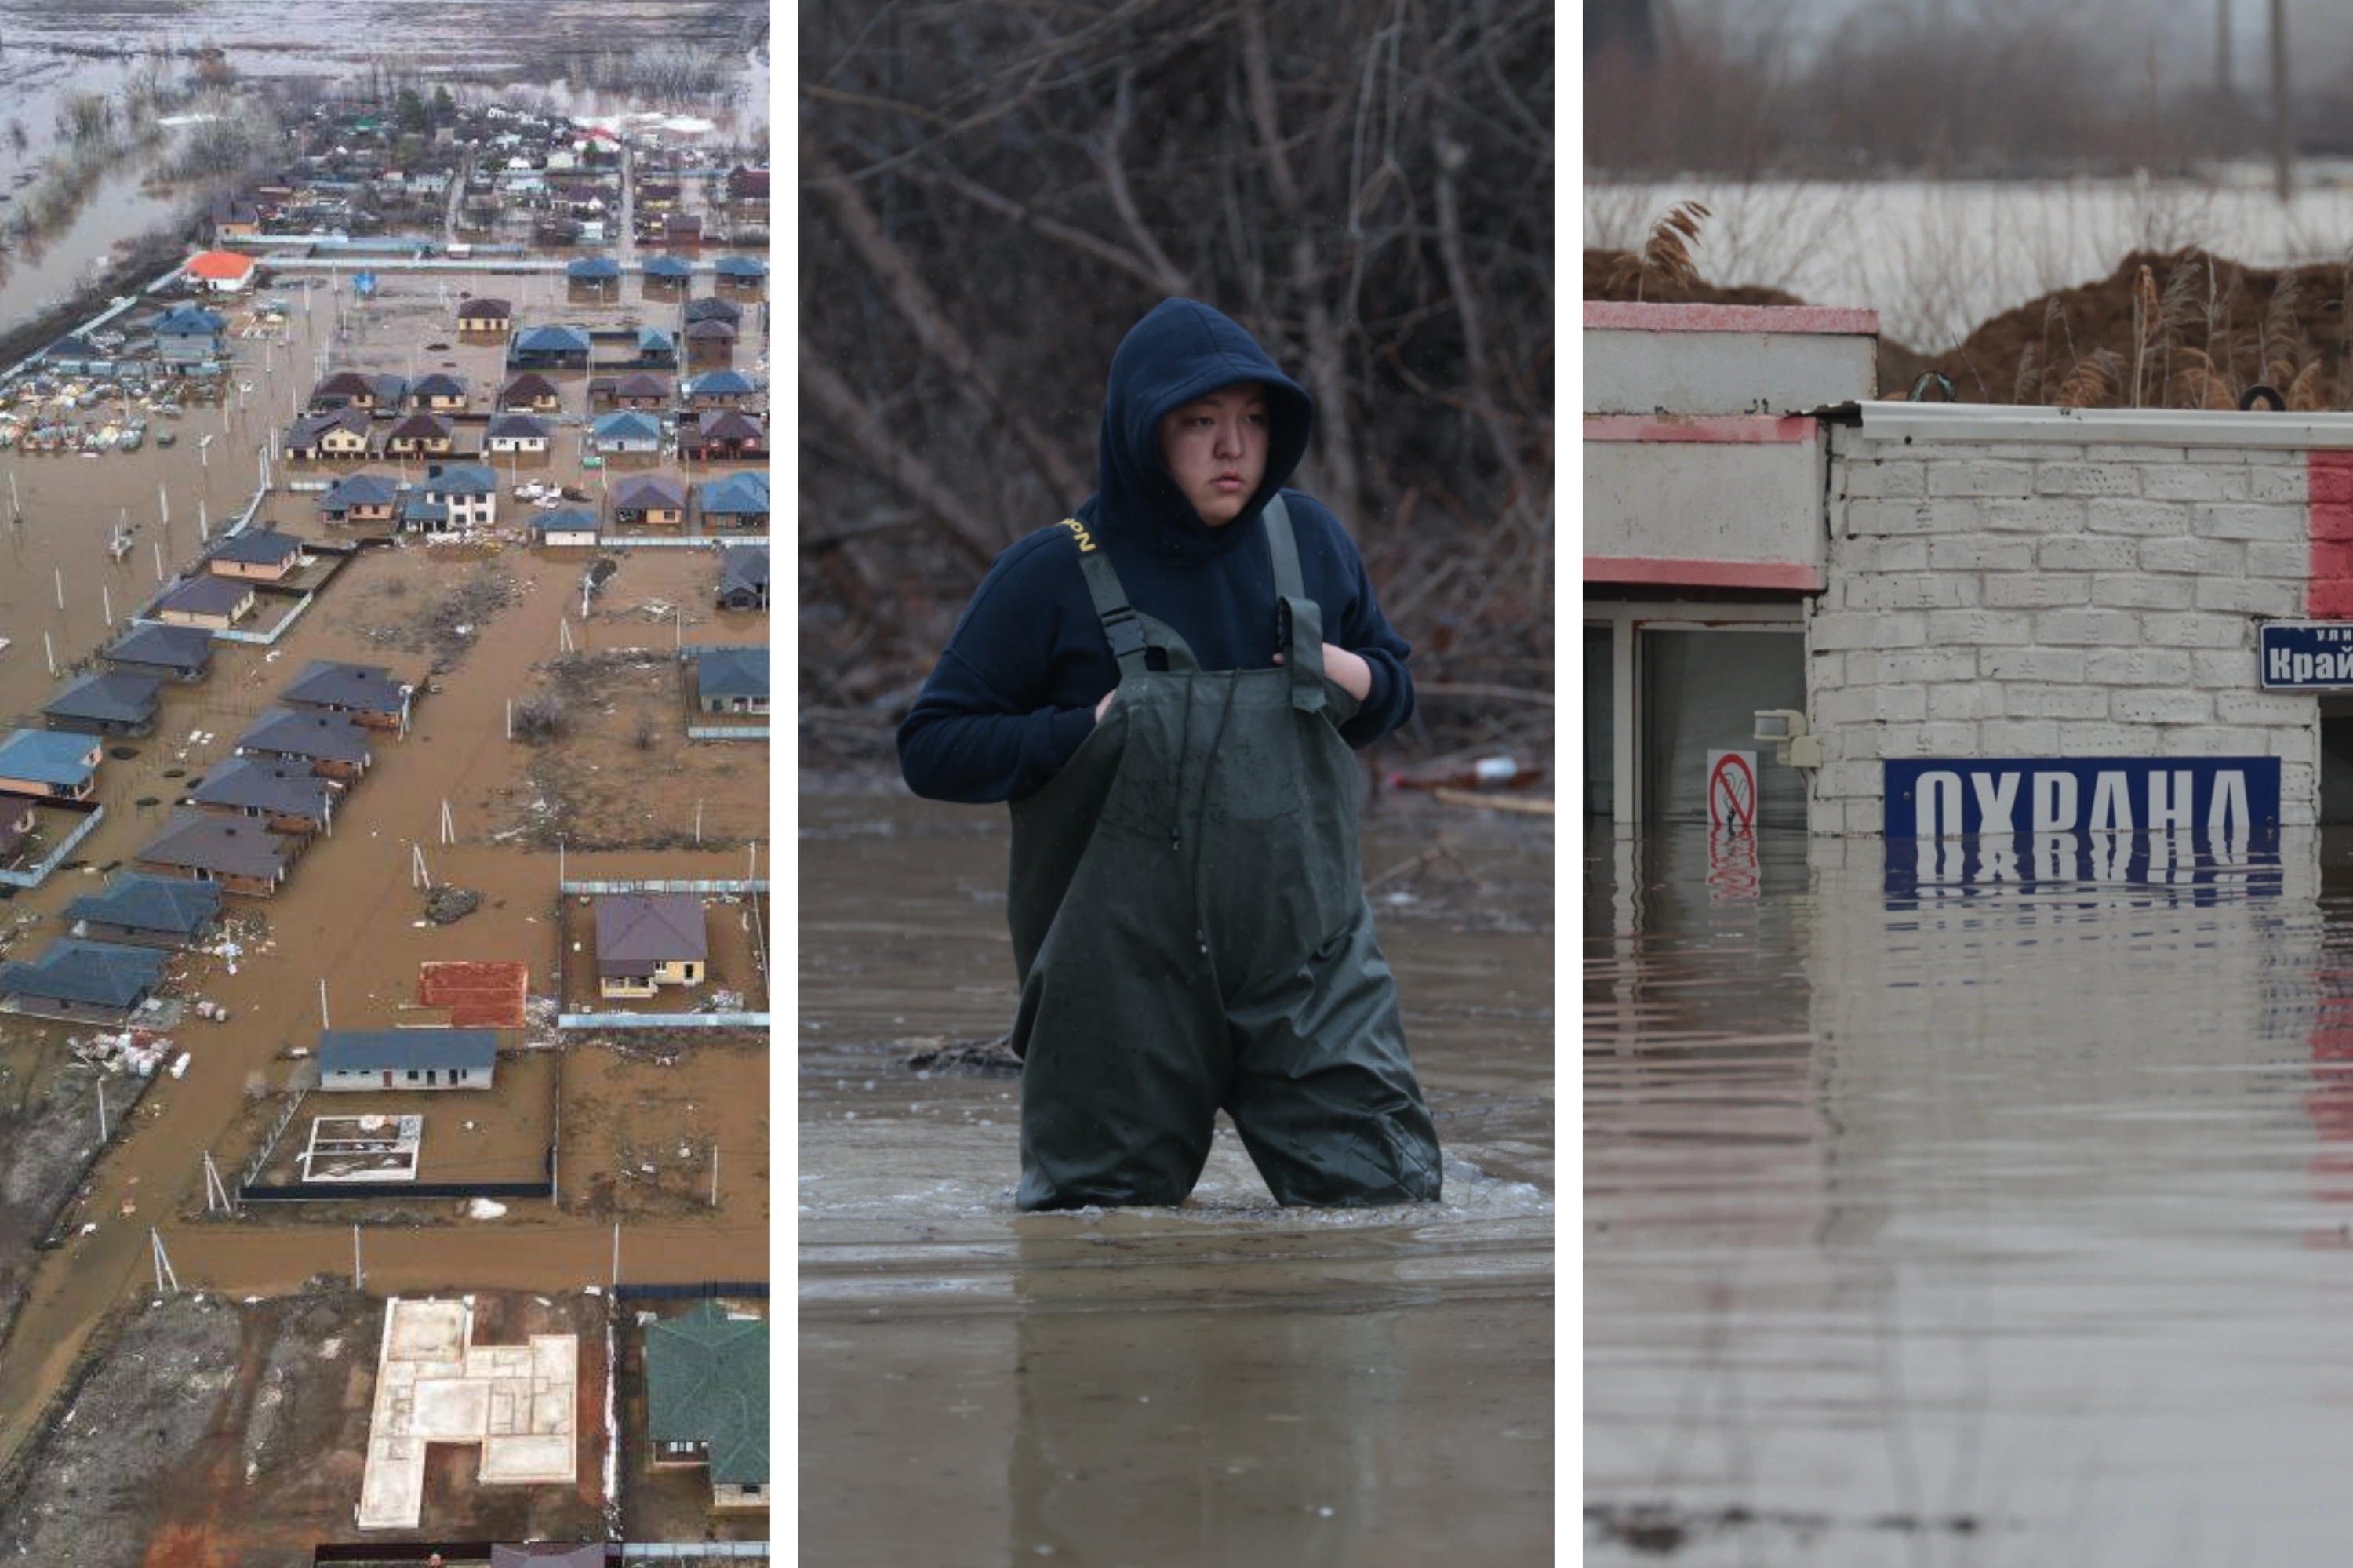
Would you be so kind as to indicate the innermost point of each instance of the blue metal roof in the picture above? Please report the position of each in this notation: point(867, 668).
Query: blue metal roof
point(375, 1050)
point(596, 268)
point(736, 495)
point(740, 266)
point(551, 339)
point(188, 321)
point(565, 520)
point(143, 903)
point(360, 490)
point(462, 479)
point(101, 974)
point(628, 427)
point(732, 672)
point(728, 383)
point(48, 757)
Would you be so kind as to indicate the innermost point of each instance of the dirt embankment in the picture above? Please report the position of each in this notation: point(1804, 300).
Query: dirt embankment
point(195, 1430)
point(49, 1142)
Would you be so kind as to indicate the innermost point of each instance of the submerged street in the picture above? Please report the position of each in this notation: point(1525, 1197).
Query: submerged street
point(2007, 1218)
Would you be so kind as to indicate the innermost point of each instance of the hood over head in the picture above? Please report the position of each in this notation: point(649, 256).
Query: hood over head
point(1182, 350)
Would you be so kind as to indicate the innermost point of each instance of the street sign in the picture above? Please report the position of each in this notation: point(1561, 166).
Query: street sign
point(1963, 797)
point(2306, 656)
point(1732, 791)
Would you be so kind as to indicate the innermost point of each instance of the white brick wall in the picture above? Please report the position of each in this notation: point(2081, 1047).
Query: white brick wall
point(1994, 599)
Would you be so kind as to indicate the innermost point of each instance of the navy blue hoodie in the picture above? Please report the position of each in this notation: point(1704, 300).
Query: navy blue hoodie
point(1014, 692)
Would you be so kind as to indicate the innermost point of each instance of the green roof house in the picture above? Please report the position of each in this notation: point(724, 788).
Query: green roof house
point(707, 1400)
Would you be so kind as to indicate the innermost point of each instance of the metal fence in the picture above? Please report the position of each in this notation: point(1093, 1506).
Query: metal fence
point(661, 1021)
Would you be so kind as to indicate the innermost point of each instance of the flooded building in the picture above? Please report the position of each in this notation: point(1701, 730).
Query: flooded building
point(564, 526)
point(214, 603)
point(257, 555)
point(44, 765)
point(338, 435)
point(147, 911)
point(182, 653)
point(332, 744)
point(242, 858)
point(1937, 618)
point(361, 499)
point(84, 983)
point(467, 494)
point(105, 702)
point(743, 577)
point(647, 941)
point(368, 694)
point(516, 433)
point(350, 1060)
point(531, 392)
point(707, 1400)
point(650, 501)
point(485, 317)
point(285, 796)
point(626, 434)
point(733, 500)
point(730, 680)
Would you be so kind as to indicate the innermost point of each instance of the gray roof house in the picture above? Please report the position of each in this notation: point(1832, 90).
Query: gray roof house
point(150, 911)
point(333, 743)
point(731, 680)
point(352, 1059)
point(743, 577)
point(96, 982)
point(639, 934)
point(240, 855)
point(366, 691)
point(255, 552)
point(293, 798)
point(165, 652)
point(108, 703)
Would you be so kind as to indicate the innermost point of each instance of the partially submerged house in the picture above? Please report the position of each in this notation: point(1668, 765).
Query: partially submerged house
point(357, 1059)
point(339, 435)
point(710, 342)
point(707, 1400)
point(256, 555)
point(667, 269)
point(360, 500)
point(640, 389)
point(733, 500)
point(332, 744)
point(216, 603)
point(240, 855)
point(420, 435)
point(147, 911)
point(533, 393)
point(88, 982)
point(743, 272)
point(626, 433)
point(710, 307)
point(438, 392)
point(594, 271)
point(743, 577)
point(182, 653)
point(468, 491)
point(286, 796)
point(730, 680)
point(368, 693)
point(650, 501)
point(549, 348)
point(50, 765)
point(522, 433)
point(188, 337)
point(718, 390)
point(723, 435)
point(567, 526)
point(485, 317)
point(647, 941)
point(105, 702)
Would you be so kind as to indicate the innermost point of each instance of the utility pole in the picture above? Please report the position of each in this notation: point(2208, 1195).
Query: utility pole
point(162, 1260)
point(359, 1275)
point(616, 1254)
point(2282, 130)
point(102, 1113)
point(322, 1004)
point(714, 1175)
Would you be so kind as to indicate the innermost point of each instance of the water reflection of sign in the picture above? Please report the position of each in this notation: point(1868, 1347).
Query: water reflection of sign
point(1731, 789)
point(2306, 656)
point(2089, 867)
point(1732, 869)
point(1954, 798)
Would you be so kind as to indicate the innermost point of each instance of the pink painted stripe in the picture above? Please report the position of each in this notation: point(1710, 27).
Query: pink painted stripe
point(2329, 476)
point(1737, 430)
point(1616, 315)
point(1702, 574)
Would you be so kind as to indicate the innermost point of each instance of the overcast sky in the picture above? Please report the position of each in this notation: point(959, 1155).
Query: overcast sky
point(2320, 32)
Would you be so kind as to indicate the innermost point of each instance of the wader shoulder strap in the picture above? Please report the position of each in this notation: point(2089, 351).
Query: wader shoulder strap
point(1122, 628)
point(1285, 549)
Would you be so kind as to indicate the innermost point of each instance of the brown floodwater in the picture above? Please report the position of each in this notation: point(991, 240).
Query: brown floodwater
point(1996, 1205)
point(349, 914)
point(1227, 1382)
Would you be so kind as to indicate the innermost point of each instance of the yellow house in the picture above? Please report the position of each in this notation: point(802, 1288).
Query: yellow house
point(216, 603)
point(647, 941)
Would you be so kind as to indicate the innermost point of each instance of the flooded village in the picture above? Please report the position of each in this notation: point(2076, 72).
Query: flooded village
point(385, 921)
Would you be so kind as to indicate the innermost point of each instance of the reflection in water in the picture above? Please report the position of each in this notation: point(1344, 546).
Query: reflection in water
point(1988, 1207)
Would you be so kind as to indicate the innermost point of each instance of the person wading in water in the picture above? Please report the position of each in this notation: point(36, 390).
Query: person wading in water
point(1165, 687)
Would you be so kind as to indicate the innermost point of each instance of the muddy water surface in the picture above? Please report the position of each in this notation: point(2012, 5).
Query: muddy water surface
point(1225, 1382)
point(2010, 1222)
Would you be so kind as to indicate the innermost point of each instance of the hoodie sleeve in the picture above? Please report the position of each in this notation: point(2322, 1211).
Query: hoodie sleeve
point(1360, 627)
point(1001, 712)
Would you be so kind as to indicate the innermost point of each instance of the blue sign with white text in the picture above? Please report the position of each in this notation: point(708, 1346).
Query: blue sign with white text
point(2306, 656)
point(2234, 797)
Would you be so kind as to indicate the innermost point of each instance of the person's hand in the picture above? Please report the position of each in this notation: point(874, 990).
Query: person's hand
point(1345, 669)
point(1100, 706)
